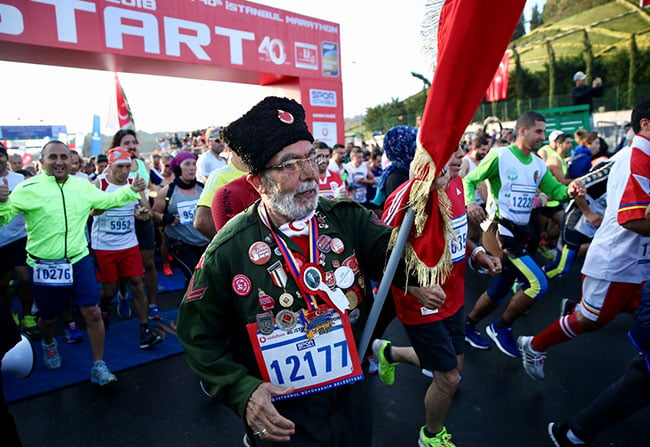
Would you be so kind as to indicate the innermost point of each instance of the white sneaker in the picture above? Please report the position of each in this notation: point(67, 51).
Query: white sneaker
point(101, 375)
point(532, 360)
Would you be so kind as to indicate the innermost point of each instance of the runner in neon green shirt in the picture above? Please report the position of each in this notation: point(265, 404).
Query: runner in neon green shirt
point(56, 207)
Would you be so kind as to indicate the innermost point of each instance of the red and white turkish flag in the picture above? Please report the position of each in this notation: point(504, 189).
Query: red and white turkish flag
point(645, 3)
point(466, 62)
point(498, 88)
point(124, 115)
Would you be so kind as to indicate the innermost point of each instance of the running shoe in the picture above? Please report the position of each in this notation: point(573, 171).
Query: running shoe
point(51, 357)
point(167, 269)
point(532, 360)
point(100, 374)
point(123, 307)
point(149, 338)
point(548, 253)
point(504, 339)
point(154, 312)
point(373, 366)
point(474, 339)
point(386, 368)
point(442, 439)
point(516, 286)
point(427, 373)
point(72, 334)
point(558, 434)
point(567, 307)
point(16, 318)
point(30, 326)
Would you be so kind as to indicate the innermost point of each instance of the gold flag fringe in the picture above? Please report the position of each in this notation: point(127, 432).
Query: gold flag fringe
point(423, 170)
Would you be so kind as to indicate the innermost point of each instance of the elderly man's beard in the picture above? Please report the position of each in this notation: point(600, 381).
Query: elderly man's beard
point(288, 204)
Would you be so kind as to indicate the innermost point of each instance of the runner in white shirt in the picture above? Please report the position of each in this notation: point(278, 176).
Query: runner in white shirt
point(359, 177)
point(115, 245)
point(617, 264)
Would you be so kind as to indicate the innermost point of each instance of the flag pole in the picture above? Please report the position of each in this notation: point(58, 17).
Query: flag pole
point(386, 281)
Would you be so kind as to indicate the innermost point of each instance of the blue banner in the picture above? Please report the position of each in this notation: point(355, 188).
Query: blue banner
point(96, 138)
point(31, 132)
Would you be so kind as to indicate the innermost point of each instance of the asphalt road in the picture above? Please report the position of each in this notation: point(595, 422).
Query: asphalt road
point(497, 404)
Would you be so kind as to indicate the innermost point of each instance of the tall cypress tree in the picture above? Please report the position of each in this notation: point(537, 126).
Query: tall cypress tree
point(634, 53)
point(551, 73)
point(520, 30)
point(535, 18)
point(589, 54)
point(519, 80)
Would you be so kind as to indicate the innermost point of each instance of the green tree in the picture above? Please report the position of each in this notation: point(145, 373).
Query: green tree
point(535, 18)
point(634, 55)
point(551, 74)
point(520, 30)
point(589, 54)
point(555, 10)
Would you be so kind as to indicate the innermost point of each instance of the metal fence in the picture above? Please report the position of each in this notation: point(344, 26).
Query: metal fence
point(614, 98)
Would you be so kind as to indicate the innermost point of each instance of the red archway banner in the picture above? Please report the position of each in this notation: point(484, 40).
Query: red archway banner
point(221, 40)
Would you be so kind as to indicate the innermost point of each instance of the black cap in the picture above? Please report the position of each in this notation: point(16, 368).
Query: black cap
point(270, 126)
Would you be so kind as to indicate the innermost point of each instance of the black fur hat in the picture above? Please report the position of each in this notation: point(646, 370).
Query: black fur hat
point(271, 125)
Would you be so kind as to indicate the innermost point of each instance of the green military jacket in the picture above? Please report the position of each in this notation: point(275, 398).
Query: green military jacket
point(224, 293)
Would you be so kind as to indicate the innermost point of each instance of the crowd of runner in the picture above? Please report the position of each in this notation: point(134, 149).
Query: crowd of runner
point(526, 204)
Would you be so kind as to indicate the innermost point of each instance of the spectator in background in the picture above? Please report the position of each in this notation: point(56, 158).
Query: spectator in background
point(76, 165)
point(399, 147)
point(155, 170)
point(89, 168)
point(627, 126)
point(330, 183)
point(337, 161)
point(100, 163)
point(581, 156)
point(210, 159)
point(359, 177)
point(166, 172)
point(585, 94)
point(15, 162)
point(374, 166)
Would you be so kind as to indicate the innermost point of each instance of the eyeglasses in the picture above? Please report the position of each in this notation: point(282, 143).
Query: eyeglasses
point(297, 164)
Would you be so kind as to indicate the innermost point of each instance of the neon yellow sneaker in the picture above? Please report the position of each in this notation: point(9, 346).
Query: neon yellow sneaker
point(30, 326)
point(386, 368)
point(442, 439)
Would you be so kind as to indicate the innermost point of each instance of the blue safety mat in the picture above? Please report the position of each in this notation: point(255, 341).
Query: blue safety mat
point(122, 352)
point(171, 283)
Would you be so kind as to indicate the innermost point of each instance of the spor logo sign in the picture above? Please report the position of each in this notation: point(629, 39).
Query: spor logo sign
point(322, 98)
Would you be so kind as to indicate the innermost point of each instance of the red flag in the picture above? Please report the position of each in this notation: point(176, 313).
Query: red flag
point(645, 3)
point(498, 88)
point(124, 115)
point(466, 62)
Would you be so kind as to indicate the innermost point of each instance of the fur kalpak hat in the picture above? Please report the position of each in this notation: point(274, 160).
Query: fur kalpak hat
point(266, 129)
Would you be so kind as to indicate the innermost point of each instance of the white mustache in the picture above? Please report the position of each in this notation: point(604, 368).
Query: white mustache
point(307, 186)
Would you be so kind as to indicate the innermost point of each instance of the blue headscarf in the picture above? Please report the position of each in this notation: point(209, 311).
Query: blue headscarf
point(399, 146)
